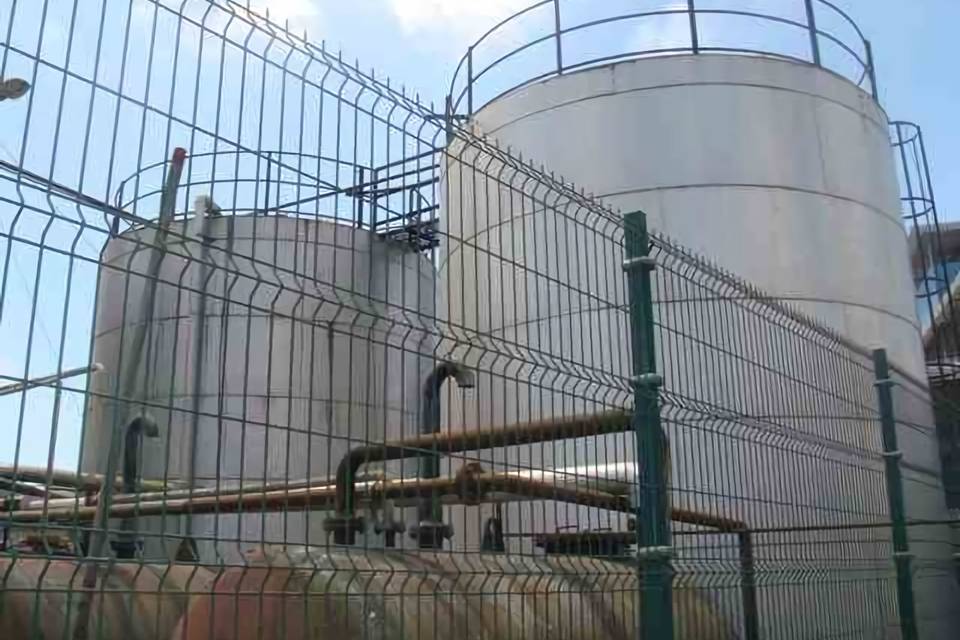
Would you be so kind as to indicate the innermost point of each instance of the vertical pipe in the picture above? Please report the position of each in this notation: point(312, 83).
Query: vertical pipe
point(470, 81)
point(430, 530)
point(812, 28)
point(199, 229)
point(266, 190)
point(557, 29)
point(127, 380)
point(448, 116)
point(872, 70)
point(358, 196)
point(891, 455)
point(694, 32)
point(652, 510)
point(168, 197)
point(126, 545)
point(748, 587)
point(374, 181)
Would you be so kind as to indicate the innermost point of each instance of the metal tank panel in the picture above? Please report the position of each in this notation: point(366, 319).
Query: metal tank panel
point(274, 287)
point(541, 293)
point(780, 171)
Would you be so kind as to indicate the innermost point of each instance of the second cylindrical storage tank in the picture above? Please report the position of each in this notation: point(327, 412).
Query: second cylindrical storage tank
point(272, 345)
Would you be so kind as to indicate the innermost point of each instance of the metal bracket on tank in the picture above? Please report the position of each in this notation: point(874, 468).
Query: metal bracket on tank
point(421, 236)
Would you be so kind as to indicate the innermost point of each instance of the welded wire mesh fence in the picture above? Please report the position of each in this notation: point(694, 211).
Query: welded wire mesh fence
point(289, 354)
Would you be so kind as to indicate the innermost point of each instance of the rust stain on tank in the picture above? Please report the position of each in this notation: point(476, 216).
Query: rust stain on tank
point(422, 596)
point(342, 595)
point(39, 597)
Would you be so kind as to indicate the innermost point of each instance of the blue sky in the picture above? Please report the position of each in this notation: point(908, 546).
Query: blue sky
point(417, 43)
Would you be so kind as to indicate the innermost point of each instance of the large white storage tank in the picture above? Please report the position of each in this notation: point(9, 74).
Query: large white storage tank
point(270, 351)
point(779, 170)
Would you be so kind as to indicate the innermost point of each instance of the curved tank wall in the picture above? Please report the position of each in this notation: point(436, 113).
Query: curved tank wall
point(780, 171)
point(298, 359)
point(560, 289)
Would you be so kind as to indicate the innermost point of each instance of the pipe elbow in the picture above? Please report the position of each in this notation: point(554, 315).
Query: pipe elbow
point(464, 376)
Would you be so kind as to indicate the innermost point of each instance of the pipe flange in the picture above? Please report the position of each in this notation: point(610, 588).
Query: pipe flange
point(430, 534)
point(344, 528)
point(126, 547)
point(469, 487)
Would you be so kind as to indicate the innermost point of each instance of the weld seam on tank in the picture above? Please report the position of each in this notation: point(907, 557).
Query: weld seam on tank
point(762, 186)
point(787, 297)
point(465, 242)
point(492, 131)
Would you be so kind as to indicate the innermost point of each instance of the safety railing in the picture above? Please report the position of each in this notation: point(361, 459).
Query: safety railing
point(560, 36)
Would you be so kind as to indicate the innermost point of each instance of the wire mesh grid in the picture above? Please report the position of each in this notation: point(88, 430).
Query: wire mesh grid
point(290, 354)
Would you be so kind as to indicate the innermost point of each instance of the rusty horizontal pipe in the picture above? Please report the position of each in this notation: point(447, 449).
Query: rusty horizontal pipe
point(614, 501)
point(470, 489)
point(175, 494)
point(720, 523)
point(259, 487)
point(207, 503)
point(471, 440)
point(304, 495)
point(27, 489)
point(79, 481)
point(204, 492)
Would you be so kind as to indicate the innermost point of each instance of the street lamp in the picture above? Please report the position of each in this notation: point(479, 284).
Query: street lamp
point(13, 88)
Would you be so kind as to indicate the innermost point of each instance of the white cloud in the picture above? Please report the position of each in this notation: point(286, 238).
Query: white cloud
point(301, 14)
point(453, 18)
point(662, 32)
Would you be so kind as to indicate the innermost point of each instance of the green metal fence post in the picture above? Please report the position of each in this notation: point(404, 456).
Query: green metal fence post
point(891, 454)
point(654, 550)
point(748, 586)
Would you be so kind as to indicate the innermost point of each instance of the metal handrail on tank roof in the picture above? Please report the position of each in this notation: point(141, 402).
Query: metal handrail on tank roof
point(382, 197)
point(468, 98)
